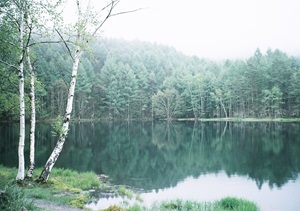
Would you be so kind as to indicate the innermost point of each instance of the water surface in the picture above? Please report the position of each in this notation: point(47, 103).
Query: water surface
point(188, 160)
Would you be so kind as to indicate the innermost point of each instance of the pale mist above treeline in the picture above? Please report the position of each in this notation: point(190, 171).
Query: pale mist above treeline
point(120, 79)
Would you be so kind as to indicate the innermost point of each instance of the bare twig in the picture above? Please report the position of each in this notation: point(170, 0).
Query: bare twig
point(65, 43)
point(10, 65)
point(112, 5)
point(115, 2)
point(107, 16)
point(13, 19)
point(45, 42)
point(125, 12)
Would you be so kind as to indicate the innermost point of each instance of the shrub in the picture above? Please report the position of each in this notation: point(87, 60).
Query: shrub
point(123, 192)
point(235, 204)
point(79, 201)
point(13, 198)
point(114, 208)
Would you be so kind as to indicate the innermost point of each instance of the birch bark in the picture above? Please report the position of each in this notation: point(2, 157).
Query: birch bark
point(82, 37)
point(65, 127)
point(44, 176)
point(21, 168)
point(32, 119)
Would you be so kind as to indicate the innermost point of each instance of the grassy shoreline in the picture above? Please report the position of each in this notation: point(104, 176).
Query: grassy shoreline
point(65, 186)
point(71, 188)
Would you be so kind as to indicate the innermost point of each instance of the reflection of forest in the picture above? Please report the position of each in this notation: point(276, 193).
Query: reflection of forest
point(158, 155)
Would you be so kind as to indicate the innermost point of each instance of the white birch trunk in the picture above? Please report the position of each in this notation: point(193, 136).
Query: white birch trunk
point(44, 176)
point(65, 127)
point(81, 27)
point(21, 168)
point(32, 119)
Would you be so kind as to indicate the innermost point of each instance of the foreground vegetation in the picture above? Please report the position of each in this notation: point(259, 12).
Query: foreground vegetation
point(67, 187)
point(225, 204)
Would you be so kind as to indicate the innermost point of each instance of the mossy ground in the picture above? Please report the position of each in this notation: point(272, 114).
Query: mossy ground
point(64, 186)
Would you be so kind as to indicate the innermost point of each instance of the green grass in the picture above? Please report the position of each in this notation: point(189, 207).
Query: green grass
point(64, 186)
point(235, 204)
point(15, 198)
point(225, 204)
point(6, 175)
point(70, 180)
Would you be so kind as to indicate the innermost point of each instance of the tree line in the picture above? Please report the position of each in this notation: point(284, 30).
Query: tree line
point(120, 79)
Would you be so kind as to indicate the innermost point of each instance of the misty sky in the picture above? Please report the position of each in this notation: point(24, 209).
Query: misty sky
point(215, 29)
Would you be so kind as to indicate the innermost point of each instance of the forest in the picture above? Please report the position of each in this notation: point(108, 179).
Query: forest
point(119, 79)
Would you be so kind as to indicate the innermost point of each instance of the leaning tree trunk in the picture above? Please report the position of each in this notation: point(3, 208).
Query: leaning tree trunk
point(32, 119)
point(21, 168)
point(65, 127)
point(80, 39)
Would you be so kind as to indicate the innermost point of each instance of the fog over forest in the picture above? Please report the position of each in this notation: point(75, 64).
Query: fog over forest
point(121, 79)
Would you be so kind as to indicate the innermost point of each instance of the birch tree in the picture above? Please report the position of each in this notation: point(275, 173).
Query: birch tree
point(32, 118)
point(89, 23)
point(33, 13)
point(24, 15)
point(14, 12)
point(21, 168)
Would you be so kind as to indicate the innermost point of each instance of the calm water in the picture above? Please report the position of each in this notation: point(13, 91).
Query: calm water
point(188, 160)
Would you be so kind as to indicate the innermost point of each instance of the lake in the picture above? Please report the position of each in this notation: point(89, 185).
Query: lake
point(202, 161)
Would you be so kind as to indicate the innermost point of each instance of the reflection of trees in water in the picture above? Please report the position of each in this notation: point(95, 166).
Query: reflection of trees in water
point(166, 154)
point(158, 155)
point(166, 135)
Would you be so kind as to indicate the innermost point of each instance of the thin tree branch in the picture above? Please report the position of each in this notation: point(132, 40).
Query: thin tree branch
point(49, 42)
point(106, 6)
point(115, 2)
point(10, 65)
point(112, 5)
point(65, 43)
point(125, 12)
point(12, 18)
point(107, 16)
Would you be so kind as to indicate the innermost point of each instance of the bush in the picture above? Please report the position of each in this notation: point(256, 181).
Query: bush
point(6, 175)
point(114, 208)
point(13, 198)
point(229, 203)
point(234, 204)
